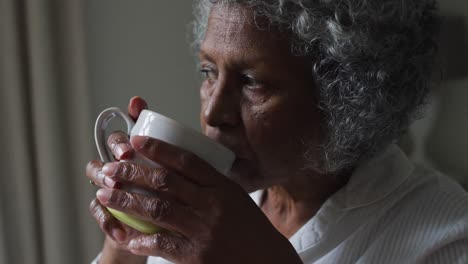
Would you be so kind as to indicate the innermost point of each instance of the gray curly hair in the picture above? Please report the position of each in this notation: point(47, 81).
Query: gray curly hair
point(372, 61)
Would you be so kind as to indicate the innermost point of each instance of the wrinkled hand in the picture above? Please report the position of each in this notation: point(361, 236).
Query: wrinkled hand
point(211, 218)
point(118, 234)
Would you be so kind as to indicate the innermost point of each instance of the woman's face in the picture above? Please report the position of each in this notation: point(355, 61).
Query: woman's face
point(257, 99)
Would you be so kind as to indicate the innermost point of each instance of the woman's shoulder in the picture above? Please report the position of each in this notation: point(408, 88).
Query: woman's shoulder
point(436, 194)
point(432, 211)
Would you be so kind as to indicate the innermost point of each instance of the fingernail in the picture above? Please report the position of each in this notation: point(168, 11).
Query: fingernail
point(100, 177)
point(110, 182)
point(132, 244)
point(122, 150)
point(104, 195)
point(106, 181)
point(139, 142)
point(118, 235)
point(110, 169)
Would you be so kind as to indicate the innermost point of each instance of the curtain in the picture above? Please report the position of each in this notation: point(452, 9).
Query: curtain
point(46, 135)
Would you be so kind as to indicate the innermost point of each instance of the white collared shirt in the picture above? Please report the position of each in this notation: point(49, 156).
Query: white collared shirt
point(390, 211)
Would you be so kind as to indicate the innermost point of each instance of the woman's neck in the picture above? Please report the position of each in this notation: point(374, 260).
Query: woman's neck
point(289, 206)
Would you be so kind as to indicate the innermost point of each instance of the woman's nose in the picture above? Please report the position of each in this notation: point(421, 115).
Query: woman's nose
point(222, 107)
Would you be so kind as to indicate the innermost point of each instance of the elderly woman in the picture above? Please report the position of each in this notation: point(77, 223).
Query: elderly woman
point(311, 96)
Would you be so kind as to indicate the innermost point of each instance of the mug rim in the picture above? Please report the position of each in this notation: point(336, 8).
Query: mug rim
point(185, 132)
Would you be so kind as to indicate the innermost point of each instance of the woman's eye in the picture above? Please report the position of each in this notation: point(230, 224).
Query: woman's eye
point(251, 84)
point(208, 74)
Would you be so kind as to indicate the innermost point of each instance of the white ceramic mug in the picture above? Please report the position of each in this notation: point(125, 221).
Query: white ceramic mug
point(152, 124)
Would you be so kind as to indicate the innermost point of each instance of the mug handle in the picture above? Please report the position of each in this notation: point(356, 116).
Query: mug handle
point(100, 137)
point(100, 130)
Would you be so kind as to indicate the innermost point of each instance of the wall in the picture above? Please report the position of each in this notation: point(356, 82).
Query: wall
point(140, 48)
point(440, 139)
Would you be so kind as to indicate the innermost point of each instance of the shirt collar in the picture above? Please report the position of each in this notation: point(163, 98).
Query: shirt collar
point(370, 183)
point(375, 179)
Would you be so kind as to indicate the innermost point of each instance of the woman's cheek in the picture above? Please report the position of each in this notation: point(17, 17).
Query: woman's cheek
point(272, 131)
point(204, 98)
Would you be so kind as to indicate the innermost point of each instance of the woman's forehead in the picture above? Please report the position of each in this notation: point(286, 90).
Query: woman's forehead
point(236, 26)
point(231, 13)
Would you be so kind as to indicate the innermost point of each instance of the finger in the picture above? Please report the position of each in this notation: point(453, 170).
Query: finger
point(159, 210)
point(110, 225)
point(135, 106)
point(165, 245)
point(183, 162)
point(158, 179)
point(95, 175)
point(119, 145)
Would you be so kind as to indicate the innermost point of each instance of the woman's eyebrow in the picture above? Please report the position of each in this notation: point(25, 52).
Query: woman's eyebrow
point(204, 55)
point(255, 59)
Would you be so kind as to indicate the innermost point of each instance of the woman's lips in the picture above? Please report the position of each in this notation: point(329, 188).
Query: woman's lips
point(244, 173)
point(232, 145)
point(234, 142)
point(240, 154)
